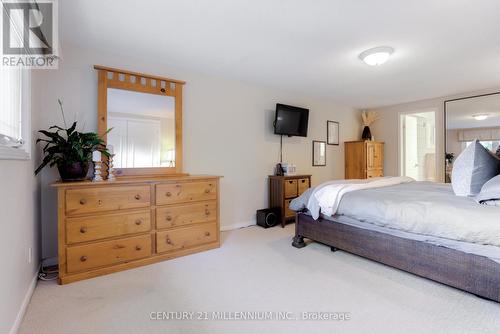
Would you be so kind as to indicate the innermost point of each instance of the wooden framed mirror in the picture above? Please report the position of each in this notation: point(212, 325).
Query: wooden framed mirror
point(145, 112)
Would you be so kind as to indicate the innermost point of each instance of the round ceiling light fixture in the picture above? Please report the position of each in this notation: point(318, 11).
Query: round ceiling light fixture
point(376, 56)
point(480, 117)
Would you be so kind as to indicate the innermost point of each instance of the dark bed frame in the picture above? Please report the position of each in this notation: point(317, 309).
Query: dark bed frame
point(472, 273)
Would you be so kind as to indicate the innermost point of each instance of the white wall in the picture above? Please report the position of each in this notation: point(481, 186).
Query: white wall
point(227, 131)
point(454, 146)
point(387, 128)
point(19, 210)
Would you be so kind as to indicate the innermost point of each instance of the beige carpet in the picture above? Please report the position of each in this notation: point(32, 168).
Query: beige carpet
point(258, 270)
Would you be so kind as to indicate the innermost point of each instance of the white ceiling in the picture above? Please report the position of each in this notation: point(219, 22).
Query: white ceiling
point(442, 47)
point(459, 113)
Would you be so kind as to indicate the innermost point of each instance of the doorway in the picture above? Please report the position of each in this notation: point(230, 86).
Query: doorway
point(418, 145)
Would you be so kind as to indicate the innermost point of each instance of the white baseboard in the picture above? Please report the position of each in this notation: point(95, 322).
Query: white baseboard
point(236, 226)
point(24, 306)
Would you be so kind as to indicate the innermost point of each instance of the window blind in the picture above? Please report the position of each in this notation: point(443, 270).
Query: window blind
point(466, 135)
point(10, 107)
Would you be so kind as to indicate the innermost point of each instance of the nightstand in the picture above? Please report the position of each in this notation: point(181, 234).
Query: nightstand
point(283, 189)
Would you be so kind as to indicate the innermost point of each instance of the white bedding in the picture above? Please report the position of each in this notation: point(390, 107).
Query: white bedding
point(418, 207)
point(326, 197)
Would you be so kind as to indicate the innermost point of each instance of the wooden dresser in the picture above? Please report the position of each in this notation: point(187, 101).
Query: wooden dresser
point(283, 189)
point(104, 227)
point(364, 159)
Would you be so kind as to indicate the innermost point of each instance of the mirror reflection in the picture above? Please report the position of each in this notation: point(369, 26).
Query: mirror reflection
point(470, 119)
point(143, 132)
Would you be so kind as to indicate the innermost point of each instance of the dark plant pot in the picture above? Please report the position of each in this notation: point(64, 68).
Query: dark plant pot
point(73, 172)
point(367, 134)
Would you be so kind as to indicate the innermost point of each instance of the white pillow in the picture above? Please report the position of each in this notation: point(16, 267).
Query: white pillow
point(472, 169)
point(490, 192)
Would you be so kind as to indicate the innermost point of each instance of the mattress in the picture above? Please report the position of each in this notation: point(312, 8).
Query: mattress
point(489, 251)
point(425, 208)
point(421, 211)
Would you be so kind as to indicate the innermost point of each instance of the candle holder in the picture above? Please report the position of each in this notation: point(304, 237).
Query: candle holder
point(111, 170)
point(97, 171)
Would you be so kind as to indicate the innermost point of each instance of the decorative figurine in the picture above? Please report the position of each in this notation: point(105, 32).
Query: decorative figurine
point(111, 170)
point(96, 158)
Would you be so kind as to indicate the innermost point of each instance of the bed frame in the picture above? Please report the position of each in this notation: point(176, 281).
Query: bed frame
point(472, 273)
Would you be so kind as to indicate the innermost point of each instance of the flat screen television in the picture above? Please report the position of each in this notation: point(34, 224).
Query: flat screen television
point(290, 120)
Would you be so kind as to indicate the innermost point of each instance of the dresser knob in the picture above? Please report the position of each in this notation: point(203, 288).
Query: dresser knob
point(138, 197)
point(169, 241)
point(138, 248)
point(168, 194)
point(83, 258)
point(83, 229)
point(83, 201)
point(207, 191)
point(138, 222)
point(207, 212)
point(169, 218)
point(207, 234)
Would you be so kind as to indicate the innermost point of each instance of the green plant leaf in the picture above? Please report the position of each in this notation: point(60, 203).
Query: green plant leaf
point(71, 129)
point(56, 127)
point(45, 161)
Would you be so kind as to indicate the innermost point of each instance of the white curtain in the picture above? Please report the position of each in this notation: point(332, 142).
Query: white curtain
point(10, 106)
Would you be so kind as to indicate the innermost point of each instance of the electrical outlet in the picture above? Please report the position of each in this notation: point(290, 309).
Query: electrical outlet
point(30, 254)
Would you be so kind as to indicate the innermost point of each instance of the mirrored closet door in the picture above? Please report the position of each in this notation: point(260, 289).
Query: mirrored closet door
point(468, 119)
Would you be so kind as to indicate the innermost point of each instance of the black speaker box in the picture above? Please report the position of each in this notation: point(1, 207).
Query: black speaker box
point(268, 217)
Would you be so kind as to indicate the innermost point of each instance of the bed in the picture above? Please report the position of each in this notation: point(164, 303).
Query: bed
point(418, 227)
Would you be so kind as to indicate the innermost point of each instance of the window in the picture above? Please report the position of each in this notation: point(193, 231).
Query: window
point(491, 145)
point(15, 103)
point(14, 113)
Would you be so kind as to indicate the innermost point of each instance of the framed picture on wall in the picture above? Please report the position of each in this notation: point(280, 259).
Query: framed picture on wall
point(319, 153)
point(332, 133)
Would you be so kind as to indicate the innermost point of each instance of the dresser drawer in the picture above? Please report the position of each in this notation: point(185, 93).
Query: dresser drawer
point(185, 192)
point(185, 214)
point(303, 185)
point(106, 226)
point(89, 200)
point(107, 253)
point(290, 188)
point(186, 237)
point(288, 213)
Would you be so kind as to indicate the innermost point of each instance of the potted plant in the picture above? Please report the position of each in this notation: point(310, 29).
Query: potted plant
point(449, 158)
point(70, 150)
point(368, 118)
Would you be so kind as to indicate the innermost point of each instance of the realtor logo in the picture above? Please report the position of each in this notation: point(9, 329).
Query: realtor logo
point(29, 34)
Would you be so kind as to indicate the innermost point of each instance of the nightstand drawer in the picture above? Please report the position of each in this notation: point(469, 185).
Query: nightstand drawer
point(303, 185)
point(179, 215)
point(288, 213)
point(106, 226)
point(186, 237)
point(183, 192)
point(290, 188)
point(374, 173)
point(107, 253)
